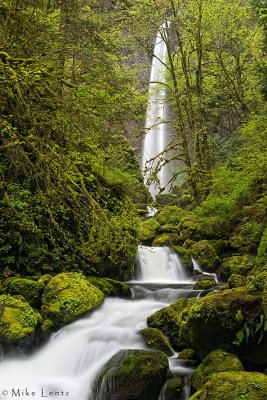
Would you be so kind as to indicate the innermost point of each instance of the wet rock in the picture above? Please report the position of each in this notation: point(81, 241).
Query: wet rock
point(216, 361)
point(169, 320)
point(173, 388)
point(187, 354)
point(132, 375)
point(67, 296)
point(233, 386)
point(155, 339)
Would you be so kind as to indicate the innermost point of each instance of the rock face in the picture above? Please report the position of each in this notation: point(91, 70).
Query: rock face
point(155, 339)
point(18, 322)
point(233, 386)
point(67, 296)
point(132, 375)
point(216, 361)
point(31, 290)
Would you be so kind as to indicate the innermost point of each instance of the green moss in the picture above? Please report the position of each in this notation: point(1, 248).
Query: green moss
point(224, 319)
point(187, 354)
point(195, 228)
point(168, 320)
point(185, 256)
point(31, 290)
point(205, 255)
point(233, 386)
point(236, 280)
point(256, 280)
point(148, 229)
point(239, 264)
point(216, 361)
point(18, 320)
point(111, 287)
point(45, 279)
point(205, 284)
point(67, 296)
point(132, 374)
point(155, 339)
point(166, 239)
point(170, 215)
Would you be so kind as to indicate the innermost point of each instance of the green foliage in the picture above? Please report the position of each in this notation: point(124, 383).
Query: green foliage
point(66, 178)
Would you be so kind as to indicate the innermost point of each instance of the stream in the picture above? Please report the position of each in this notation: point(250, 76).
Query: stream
point(66, 367)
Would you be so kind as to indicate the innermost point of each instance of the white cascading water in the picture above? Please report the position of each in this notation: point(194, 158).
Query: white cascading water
point(156, 137)
point(66, 367)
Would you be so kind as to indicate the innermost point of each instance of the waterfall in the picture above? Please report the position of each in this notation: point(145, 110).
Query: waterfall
point(66, 367)
point(156, 137)
point(161, 264)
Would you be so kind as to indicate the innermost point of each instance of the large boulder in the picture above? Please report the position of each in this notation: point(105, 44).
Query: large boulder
point(226, 319)
point(170, 215)
point(155, 339)
point(18, 323)
point(216, 361)
point(234, 385)
point(205, 255)
point(31, 290)
point(67, 296)
point(169, 320)
point(205, 283)
point(148, 230)
point(132, 375)
point(167, 239)
point(238, 264)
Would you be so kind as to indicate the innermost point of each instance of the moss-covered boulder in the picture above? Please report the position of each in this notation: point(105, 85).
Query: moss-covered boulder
point(167, 239)
point(173, 388)
point(31, 290)
point(168, 320)
point(234, 385)
point(67, 296)
point(148, 229)
point(256, 280)
point(170, 215)
point(224, 319)
point(187, 354)
point(155, 339)
point(111, 287)
point(205, 283)
point(236, 280)
point(205, 254)
point(18, 322)
point(185, 257)
point(132, 374)
point(194, 228)
point(238, 264)
point(216, 361)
